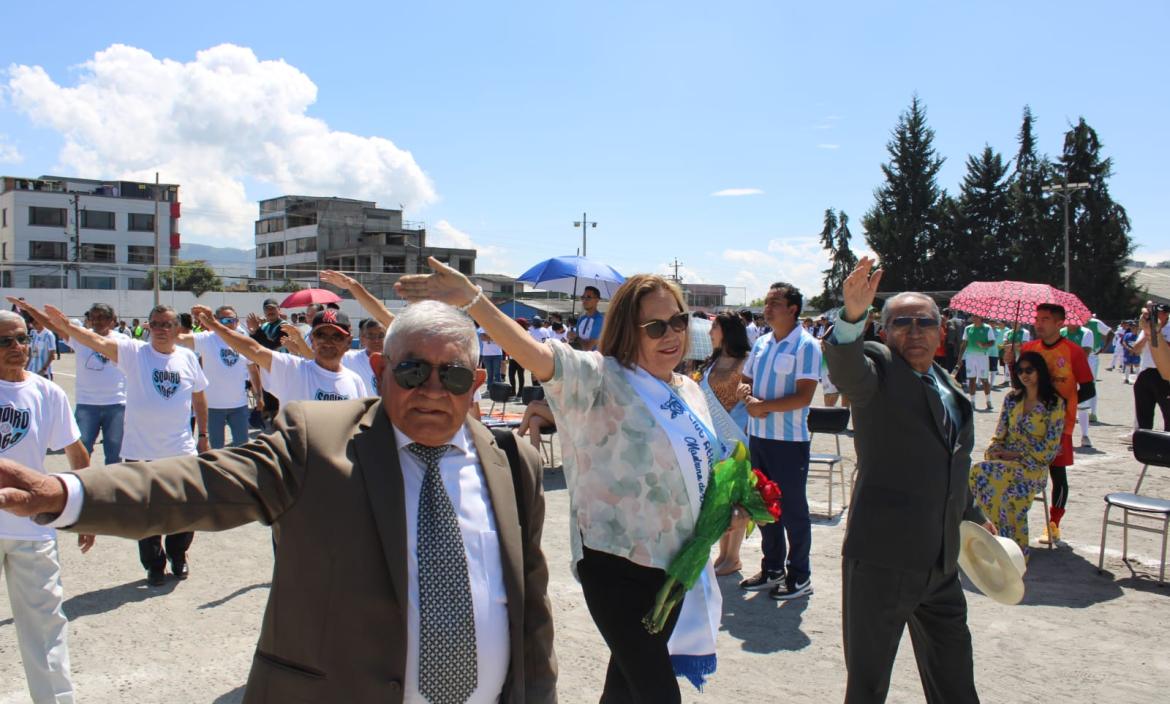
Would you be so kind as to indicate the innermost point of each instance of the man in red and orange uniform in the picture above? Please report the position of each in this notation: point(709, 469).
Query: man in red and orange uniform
point(1069, 367)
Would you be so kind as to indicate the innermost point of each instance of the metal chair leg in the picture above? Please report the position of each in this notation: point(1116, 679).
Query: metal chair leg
point(1104, 528)
point(1125, 535)
point(1162, 569)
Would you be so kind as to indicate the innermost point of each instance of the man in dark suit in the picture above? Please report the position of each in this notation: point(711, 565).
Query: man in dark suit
point(914, 433)
point(408, 564)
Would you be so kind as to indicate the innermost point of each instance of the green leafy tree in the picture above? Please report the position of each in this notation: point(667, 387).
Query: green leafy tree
point(980, 225)
point(195, 276)
point(1098, 227)
point(902, 227)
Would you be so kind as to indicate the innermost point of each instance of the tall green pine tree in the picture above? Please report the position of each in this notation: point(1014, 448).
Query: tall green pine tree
point(1034, 236)
point(902, 227)
point(1098, 227)
point(980, 250)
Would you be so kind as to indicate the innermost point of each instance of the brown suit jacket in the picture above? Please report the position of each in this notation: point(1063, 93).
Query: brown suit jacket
point(329, 480)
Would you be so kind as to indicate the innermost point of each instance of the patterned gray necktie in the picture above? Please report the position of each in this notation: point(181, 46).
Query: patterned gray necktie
point(447, 672)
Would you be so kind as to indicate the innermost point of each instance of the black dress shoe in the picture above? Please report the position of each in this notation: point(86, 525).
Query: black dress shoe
point(180, 570)
point(156, 576)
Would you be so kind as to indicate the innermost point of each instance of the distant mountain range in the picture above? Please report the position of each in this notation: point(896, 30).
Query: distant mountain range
point(225, 260)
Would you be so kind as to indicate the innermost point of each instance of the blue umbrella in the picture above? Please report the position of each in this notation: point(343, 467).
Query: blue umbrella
point(571, 275)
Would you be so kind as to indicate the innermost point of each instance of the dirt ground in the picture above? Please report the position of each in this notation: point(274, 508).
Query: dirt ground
point(1078, 636)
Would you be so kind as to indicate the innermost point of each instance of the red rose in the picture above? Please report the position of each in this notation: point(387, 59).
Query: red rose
point(774, 509)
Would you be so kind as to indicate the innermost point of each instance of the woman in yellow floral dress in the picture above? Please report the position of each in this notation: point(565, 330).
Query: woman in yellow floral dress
point(1026, 440)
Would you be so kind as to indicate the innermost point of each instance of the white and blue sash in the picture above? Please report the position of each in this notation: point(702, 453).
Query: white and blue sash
point(697, 448)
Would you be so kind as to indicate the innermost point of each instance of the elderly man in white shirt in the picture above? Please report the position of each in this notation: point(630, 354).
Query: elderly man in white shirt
point(35, 417)
point(420, 569)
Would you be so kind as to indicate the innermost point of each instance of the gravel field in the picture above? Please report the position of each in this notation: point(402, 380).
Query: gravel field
point(1079, 636)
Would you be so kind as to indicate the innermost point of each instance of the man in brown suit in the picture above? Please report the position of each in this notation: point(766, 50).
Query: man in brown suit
point(408, 565)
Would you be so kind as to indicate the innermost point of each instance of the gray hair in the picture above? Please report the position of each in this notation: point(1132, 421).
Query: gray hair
point(431, 319)
point(103, 309)
point(894, 300)
point(7, 316)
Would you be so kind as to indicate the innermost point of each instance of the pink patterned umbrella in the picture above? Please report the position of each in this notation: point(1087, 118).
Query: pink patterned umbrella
point(305, 296)
point(1016, 301)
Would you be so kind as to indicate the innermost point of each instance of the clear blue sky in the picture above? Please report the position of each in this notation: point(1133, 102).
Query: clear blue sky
point(524, 114)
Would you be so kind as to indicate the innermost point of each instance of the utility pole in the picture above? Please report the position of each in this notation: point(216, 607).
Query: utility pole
point(675, 265)
point(584, 223)
point(75, 255)
point(1065, 191)
point(156, 245)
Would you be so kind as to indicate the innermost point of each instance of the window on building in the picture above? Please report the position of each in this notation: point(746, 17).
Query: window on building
point(46, 217)
point(301, 220)
point(5, 216)
point(276, 249)
point(261, 251)
point(305, 244)
point(97, 219)
point(363, 264)
point(465, 267)
point(4, 249)
point(140, 254)
point(394, 265)
point(6, 279)
point(137, 284)
point(97, 253)
point(105, 283)
point(269, 225)
point(395, 240)
point(46, 251)
point(141, 222)
point(46, 281)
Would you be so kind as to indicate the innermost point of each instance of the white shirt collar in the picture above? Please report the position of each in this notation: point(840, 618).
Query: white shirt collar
point(461, 440)
point(793, 337)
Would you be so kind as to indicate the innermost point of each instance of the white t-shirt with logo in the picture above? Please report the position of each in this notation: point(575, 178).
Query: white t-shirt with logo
point(294, 378)
point(488, 349)
point(99, 381)
point(226, 371)
point(34, 417)
point(539, 334)
point(158, 400)
point(358, 362)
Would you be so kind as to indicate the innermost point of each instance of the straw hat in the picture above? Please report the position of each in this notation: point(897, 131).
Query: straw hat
point(993, 563)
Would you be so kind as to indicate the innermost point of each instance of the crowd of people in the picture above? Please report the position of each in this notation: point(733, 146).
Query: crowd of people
point(371, 447)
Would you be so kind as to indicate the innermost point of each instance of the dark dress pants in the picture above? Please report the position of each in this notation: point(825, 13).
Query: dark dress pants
point(879, 602)
point(619, 593)
point(787, 543)
point(1150, 390)
point(151, 552)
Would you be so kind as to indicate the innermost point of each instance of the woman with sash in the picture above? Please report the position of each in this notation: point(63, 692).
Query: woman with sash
point(720, 375)
point(638, 451)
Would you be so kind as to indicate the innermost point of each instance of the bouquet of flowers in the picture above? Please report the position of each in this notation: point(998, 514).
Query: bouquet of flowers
point(733, 483)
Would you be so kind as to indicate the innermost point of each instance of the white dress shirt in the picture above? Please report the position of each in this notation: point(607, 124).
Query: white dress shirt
point(464, 481)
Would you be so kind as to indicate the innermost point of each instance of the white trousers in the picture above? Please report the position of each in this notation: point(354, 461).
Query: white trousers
point(34, 589)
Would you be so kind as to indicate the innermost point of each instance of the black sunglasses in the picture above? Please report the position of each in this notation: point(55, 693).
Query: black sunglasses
point(657, 328)
point(413, 373)
point(9, 340)
point(904, 322)
point(1025, 370)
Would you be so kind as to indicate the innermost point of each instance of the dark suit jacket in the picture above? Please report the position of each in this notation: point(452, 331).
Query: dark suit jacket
point(911, 491)
point(334, 629)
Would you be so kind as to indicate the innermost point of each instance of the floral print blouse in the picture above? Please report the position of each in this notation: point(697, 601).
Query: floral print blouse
point(626, 491)
point(1035, 435)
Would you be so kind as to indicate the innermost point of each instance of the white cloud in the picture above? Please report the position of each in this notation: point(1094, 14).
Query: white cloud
point(798, 260)
point(1151, 256)
point(738, 192)
point(828, 146)
point(211, 125)
point(490, 259)
point(9, 154)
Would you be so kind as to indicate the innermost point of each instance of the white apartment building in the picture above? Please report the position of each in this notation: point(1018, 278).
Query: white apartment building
point(62, 232)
